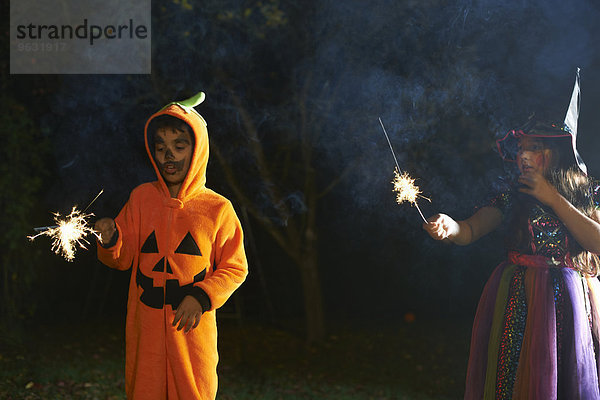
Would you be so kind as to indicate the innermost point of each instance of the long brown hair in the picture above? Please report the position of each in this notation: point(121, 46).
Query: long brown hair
point(578, 189)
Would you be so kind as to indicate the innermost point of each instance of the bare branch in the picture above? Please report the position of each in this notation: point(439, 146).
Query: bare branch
point(261, 163)
point(271, 228)
point(337, 180)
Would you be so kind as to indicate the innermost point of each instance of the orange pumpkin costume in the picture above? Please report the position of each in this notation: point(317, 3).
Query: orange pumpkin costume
point(189, 245)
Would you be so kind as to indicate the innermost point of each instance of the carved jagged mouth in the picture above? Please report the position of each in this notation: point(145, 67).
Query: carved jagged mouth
point(172, 293)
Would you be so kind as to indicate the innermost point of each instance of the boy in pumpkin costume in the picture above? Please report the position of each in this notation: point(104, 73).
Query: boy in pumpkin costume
point(184, 244)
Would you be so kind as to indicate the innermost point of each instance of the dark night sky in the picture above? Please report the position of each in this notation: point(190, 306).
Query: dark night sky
point(446, 77)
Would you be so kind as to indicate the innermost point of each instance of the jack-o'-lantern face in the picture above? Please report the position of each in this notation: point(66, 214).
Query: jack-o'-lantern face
point(173, 292)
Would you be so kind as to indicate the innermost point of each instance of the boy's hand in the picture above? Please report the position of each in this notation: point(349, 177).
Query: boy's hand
point(534, 184)
point(441, 226)
point(107, 228)
point(188, 314)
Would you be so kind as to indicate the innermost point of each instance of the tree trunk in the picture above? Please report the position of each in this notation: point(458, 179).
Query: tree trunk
point(5, 309)
point(311, 288)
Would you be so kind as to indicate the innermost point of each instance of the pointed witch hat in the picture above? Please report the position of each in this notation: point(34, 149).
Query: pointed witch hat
point(541, 129)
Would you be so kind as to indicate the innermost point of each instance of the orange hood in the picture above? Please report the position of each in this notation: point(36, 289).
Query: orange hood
point(195, 179)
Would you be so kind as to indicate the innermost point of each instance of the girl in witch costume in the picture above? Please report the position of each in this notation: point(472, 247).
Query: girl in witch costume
point(184, 245)
point(536, 330)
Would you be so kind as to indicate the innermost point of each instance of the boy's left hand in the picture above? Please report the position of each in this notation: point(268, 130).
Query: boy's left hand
point(537, 186)
point(188, 314)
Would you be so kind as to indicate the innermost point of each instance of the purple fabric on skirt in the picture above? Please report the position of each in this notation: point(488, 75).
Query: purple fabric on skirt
point(546, 370)
point(482, 325)
point(581, 359)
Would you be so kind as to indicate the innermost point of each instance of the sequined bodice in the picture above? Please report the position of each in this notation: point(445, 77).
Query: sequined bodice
point(548, 236)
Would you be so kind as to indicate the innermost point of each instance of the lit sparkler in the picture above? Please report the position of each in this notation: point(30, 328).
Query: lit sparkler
point(69, 232)
point(404, 185)
point(406, 190)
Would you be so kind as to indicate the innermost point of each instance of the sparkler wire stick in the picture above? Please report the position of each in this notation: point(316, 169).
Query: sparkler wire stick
point(40, 229)
point(45, 228)
point(389, 144)
point(403, 183)
point(92, 202)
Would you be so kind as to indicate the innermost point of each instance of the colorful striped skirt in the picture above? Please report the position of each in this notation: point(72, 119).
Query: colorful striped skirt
point(535, 334)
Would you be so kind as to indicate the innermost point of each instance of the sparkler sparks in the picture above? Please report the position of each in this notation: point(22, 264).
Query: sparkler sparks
point(406, 190)
point(69, 232)
point(404, 185)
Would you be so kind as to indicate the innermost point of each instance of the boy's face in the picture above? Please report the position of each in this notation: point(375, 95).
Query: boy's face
point(533, 155)
point(173, 154)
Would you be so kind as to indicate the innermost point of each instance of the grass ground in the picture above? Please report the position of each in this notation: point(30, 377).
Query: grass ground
point(420, 360)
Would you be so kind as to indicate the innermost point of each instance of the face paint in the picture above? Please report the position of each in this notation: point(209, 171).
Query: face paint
point(171, 167)
point(533, 156)
point(173, 154)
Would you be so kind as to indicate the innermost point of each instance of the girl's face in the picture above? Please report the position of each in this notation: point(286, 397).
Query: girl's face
point(533, 156)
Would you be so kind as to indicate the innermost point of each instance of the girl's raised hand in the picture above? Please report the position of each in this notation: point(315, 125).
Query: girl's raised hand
point(441, 226)
point(534, 184)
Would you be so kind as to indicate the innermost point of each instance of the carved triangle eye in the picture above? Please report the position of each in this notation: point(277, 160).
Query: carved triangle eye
point(150, 245)
point(188, 246)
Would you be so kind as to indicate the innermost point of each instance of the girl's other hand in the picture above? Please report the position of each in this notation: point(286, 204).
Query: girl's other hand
point(441, 226)
point(534, 184)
